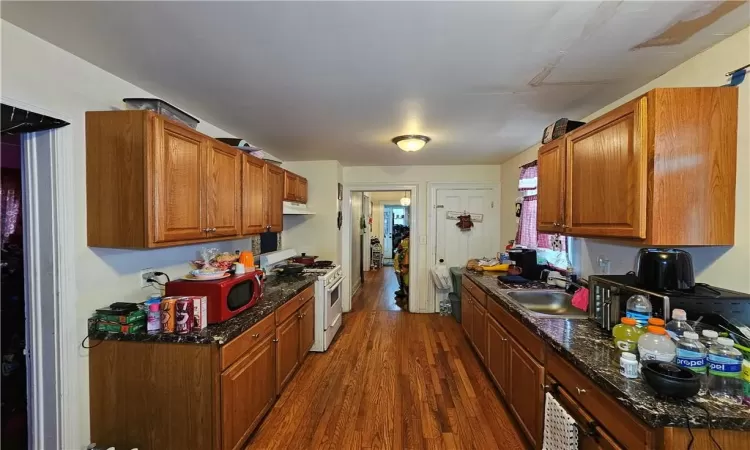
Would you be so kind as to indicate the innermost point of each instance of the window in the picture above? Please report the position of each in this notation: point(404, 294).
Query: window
point(551, 249)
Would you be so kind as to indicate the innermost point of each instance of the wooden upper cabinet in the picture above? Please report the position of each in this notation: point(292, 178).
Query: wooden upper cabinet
point(177, 176)
point(295, 188)
point(223, 190)
point(551, 187)
point(248, 390)
point(606, 174)
point(659, 170)
point(275, 198)
point(302, 190)
point(253, 195)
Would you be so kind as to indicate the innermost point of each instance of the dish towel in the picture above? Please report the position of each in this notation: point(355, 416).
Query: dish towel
point(560, 430)
point(581, 299)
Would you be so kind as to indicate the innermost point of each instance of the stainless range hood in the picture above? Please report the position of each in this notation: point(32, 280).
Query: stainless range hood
point(296, 209)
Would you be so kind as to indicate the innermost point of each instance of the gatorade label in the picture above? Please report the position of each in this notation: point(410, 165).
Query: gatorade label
point(640, 318)
point(694, 361)
point(722, 366)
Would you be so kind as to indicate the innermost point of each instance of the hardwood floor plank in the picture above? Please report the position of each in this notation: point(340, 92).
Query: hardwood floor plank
point(391, 380)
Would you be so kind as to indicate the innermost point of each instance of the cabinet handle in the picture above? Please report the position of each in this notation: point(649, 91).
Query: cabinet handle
point(212, 230)
point(256, 335)
point(275, 340)
point(503, 339)
point(580, 391)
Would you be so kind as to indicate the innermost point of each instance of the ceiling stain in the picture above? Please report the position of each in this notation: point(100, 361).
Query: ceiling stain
point(682, 30)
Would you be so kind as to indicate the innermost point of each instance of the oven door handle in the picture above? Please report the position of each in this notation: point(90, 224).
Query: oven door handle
point(338, 283)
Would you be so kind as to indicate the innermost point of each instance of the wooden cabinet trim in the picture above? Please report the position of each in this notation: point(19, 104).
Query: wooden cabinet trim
point(245, 342)
point(630, 431)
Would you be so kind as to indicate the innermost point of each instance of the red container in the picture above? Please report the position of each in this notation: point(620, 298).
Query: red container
point(183, 316)
point(226, 297)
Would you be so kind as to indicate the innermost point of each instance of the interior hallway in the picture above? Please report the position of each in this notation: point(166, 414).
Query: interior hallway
point(392, 380)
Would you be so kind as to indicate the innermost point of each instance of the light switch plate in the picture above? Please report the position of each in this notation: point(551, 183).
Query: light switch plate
point(422, 240)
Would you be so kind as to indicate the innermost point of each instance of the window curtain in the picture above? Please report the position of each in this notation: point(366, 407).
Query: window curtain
point(527, 234)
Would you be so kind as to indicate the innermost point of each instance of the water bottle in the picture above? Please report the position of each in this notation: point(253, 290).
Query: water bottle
point(678, 325)
point(709, 338)
point(691, 354)
point(638, 308)
point(725, 371)
point(656, 345)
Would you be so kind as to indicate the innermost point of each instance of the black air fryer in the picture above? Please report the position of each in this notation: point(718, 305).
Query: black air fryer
point(526, 259)
point(660, 269)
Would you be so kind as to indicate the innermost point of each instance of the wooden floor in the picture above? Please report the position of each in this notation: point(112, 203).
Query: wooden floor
point(392, 380)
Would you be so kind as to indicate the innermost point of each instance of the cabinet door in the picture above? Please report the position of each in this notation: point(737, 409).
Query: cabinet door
point(274, 197)
point(177, 183)
point(606, 175)
point(466, 312)
point(302, 189)
point(248, 390)
point(290, 186)
point(223, 185)
point(551, 187)
point(498, 348)
point(479, 329)
point(526, 396)
point(287, 351)
point(307, 328)
point(253, 195)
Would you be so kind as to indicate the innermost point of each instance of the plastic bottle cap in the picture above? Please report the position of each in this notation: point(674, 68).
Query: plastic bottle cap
point(628, 321)
point(710, 334)
point(656, 321)
point(154, 307)
point(725, 341)
point(690, 335)
point(679, 314)
point(656, 330)
point(628, 356)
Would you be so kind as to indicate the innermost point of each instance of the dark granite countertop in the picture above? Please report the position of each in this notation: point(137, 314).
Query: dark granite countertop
point(276, 291)
point(590, 349)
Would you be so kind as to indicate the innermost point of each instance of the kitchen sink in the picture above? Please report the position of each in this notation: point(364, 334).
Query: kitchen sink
point(551, 304)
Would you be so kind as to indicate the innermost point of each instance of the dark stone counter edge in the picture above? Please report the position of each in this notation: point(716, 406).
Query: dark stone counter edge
point(209, 335)
point(651, 418)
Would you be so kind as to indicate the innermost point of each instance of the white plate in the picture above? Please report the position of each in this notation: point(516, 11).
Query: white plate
point(218, 276)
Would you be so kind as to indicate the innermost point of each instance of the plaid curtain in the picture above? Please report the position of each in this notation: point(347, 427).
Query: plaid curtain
point(527, 234)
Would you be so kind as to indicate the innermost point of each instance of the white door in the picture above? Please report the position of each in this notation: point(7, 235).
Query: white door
point(456, 247)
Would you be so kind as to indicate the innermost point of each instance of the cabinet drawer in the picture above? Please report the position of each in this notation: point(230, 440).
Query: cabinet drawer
point(475, 292)
point(230, 352)
point(628, 430)
point(287, 309)
point(304, 296)
point(528, 340)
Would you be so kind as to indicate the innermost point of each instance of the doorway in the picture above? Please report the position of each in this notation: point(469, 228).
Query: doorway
point(378, 234)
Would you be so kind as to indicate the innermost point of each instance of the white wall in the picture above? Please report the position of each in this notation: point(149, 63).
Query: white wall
point(723, 266)
point(317, 234)
point(37, 73)
point(420, 176)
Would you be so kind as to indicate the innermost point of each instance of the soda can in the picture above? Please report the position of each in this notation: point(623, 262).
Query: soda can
point(183, 315)
point(167, 314)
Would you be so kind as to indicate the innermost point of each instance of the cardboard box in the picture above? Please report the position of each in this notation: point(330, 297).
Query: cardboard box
point(200, 313)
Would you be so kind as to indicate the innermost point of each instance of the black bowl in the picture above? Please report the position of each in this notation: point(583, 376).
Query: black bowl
point(670, 380)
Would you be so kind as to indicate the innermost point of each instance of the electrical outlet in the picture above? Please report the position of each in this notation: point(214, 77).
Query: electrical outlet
point(145, 275)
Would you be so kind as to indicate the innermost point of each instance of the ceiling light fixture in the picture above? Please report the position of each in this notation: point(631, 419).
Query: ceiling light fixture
point(410, 142)
point(405, 201)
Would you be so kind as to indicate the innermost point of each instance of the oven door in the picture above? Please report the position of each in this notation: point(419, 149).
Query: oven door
point(333, 310)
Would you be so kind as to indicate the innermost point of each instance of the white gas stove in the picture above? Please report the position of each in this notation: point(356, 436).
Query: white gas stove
point(328, 311)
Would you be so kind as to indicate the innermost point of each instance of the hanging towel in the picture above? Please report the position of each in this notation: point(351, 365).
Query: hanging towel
point(560, 430)
point(581, 299)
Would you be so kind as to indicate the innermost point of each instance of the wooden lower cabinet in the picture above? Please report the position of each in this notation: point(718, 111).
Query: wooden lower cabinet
point(248, 390)
point(307, 328)
point(287, 344)
point(467, 312)
point(498, 354)
point(479, 329)
point(526, 399)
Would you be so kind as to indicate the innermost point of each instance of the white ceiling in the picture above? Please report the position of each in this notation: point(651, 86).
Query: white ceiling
point(337, 80)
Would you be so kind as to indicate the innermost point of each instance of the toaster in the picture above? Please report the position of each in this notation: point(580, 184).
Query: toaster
point(608, 298)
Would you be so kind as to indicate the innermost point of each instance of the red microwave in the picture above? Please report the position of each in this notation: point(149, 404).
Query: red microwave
point(226, 297)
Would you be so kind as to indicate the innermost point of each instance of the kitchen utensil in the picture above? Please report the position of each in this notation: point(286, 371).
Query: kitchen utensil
point(322, 263)
point(217, 276)
point(670, 380)
point(291, 269)
point(665, 269)
point(304, 259)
